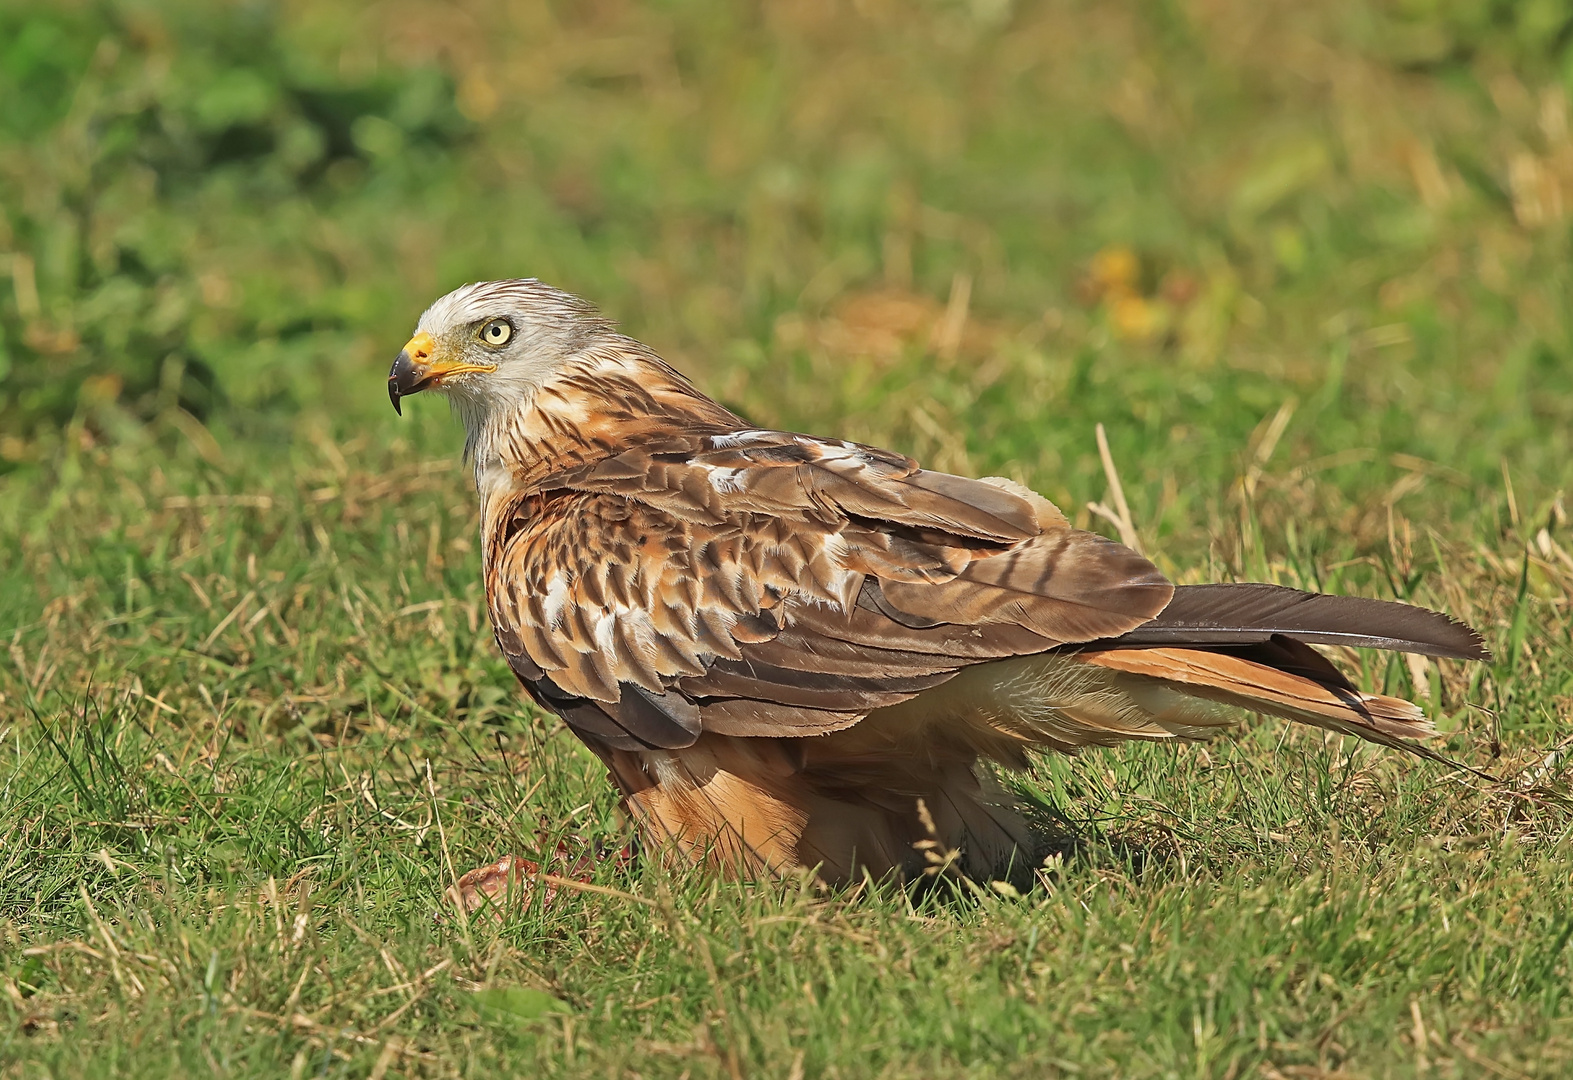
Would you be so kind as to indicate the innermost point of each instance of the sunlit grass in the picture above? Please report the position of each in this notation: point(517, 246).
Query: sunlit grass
point(1307, 264)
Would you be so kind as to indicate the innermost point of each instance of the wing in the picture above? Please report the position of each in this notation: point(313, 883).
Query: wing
point(762, 583)
point(1241, 613)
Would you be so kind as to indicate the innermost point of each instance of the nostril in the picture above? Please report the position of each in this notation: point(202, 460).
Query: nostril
point(420, 347)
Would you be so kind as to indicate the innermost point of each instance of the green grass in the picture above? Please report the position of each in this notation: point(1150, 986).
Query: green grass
point(1308, 264)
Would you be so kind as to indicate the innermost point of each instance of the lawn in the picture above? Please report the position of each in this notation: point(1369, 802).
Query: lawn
point(1307, 263)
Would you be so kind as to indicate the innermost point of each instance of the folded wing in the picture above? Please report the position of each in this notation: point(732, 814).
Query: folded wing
point(763, 583)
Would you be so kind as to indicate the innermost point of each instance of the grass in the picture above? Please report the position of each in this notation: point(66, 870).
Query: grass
point(1308, 264)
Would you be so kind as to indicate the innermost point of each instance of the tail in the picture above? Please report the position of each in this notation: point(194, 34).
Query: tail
point(1240, 645)
point(1247, 645)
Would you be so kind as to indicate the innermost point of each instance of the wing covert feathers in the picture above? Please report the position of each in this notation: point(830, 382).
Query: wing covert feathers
point(769, 584)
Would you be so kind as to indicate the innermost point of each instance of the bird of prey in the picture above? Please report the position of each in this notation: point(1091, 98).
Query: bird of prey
point(798, 652)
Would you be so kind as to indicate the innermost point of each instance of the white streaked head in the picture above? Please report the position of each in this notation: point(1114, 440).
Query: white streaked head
point(490, 345)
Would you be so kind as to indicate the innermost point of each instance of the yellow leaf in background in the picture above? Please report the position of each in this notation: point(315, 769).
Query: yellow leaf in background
point(1135, 318)
point(1115, 269)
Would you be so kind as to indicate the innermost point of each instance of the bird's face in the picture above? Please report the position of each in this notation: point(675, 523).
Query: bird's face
point(429, 363)
point(490, 345)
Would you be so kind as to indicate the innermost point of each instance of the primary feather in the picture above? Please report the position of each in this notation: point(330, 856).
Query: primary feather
point(1247, 612)
point(794, 651)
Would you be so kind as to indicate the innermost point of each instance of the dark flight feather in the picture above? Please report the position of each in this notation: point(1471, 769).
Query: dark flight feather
point(1243, 613)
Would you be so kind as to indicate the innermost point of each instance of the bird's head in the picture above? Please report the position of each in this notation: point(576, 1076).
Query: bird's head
point(490, 345)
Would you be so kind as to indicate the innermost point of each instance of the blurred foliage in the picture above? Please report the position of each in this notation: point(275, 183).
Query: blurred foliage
point(132, 139)
point(232, 212)
point(1531, 35)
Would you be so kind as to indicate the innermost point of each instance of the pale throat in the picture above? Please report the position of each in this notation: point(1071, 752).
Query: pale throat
point(489, 448)
point(512, 443)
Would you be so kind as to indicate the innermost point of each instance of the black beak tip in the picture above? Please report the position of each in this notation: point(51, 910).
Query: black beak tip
point(401, 380)
point(407, 376)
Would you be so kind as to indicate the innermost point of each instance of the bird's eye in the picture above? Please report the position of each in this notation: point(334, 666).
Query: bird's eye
point(497, 332)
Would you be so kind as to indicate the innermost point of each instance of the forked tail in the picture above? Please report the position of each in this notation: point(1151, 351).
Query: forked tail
point(1248, 645)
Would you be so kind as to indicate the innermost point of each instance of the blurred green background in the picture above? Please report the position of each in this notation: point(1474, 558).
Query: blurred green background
point(235, 212)
point(1307, 262)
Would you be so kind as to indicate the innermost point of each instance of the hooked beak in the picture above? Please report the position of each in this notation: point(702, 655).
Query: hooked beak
point(415, 369)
